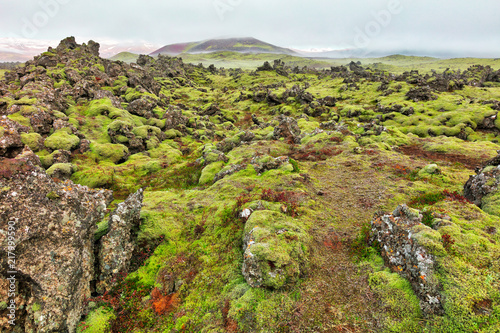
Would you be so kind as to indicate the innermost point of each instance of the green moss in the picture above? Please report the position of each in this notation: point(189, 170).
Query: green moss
point(396, 294)
point(146, 131)
point(36, 307)
point(280, 240)
point(100, 107)
point(109, 151)
point(172, 134)
point(102, 229)
point(2, 131)
point(160, 123)
point(32, 140)
point(18, 118)
point(52, 195)
point(25, 101)
point(98, 321)
point(491, 203)
point(121, 125)
point(429, 238)
point(208, 173)
point(64, 168)
point(307, 126)
point(167, 152)
point(60, 139)
point(98, 176)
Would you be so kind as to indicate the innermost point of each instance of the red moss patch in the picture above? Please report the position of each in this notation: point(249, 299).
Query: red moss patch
point(418, 151)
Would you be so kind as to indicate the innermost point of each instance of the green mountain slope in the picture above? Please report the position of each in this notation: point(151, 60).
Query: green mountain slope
point(127, 57)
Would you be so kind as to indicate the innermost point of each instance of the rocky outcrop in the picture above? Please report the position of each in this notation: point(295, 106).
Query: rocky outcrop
point(10, 138)
point(396, 235)
point(287, 129)
point(229, 170)
point(274, 248)
point(420, 94)
point(266, 162)
point(229, 144)
point(143, 107)
point(54, 226)
point(116, 247)
point(483, 188)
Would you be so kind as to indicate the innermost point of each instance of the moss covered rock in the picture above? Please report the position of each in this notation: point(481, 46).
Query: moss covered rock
point(62, 170)
point(276, 250)
point(32, 140)
point(208, 173)
point(108, 151)
point(62, 140)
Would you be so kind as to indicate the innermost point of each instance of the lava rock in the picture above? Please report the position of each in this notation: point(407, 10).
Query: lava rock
point(54, 227)
point(116, 247)
point(396, 235)
point(287, 129)
point(483, 189)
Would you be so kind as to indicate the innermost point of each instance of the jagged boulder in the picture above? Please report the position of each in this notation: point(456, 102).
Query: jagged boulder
point(228, 170)
point(287, 129)
point(397, 236)
point(116, 247)
point(421, 94)
point(143, 107)
point(266, 162)
point(275, 250)
point(229, 144)
point(483, 188)
point(174, 119)
point(54, 226)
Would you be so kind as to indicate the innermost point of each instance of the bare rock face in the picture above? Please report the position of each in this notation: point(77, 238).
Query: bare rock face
point(396, 234)
point(483, 188)
point(53, 225)
point(117, 246)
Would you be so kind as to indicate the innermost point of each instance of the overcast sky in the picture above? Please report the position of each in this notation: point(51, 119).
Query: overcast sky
point(466, 27)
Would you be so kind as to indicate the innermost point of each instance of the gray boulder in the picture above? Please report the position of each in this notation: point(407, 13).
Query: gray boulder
point(483, 188)
point(54, 226)
point(116, 247)
point(397, 236)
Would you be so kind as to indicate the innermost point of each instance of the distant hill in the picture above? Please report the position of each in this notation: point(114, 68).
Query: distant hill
point(242, 45)
point(127, 57)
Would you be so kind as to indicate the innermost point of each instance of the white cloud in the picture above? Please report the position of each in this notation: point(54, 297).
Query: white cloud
point(460, 25)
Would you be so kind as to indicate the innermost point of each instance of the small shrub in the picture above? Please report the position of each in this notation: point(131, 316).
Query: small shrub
point(361, 247)
point(427, 218)
point(447, 242)
point(286, 198)
point(295, 165)
point(455, 196)
point(426, 199)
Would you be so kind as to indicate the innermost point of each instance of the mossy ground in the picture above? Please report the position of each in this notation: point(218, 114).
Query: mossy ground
point(337, 181)
point(203, 235)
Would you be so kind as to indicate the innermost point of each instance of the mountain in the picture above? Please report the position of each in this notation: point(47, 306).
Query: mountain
point(243, 45)
point(127, 57)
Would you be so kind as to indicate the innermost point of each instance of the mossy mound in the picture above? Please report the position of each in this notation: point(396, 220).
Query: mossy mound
point(60, 139)
point(275, 250)
point(32, 140)
point(112, 152)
